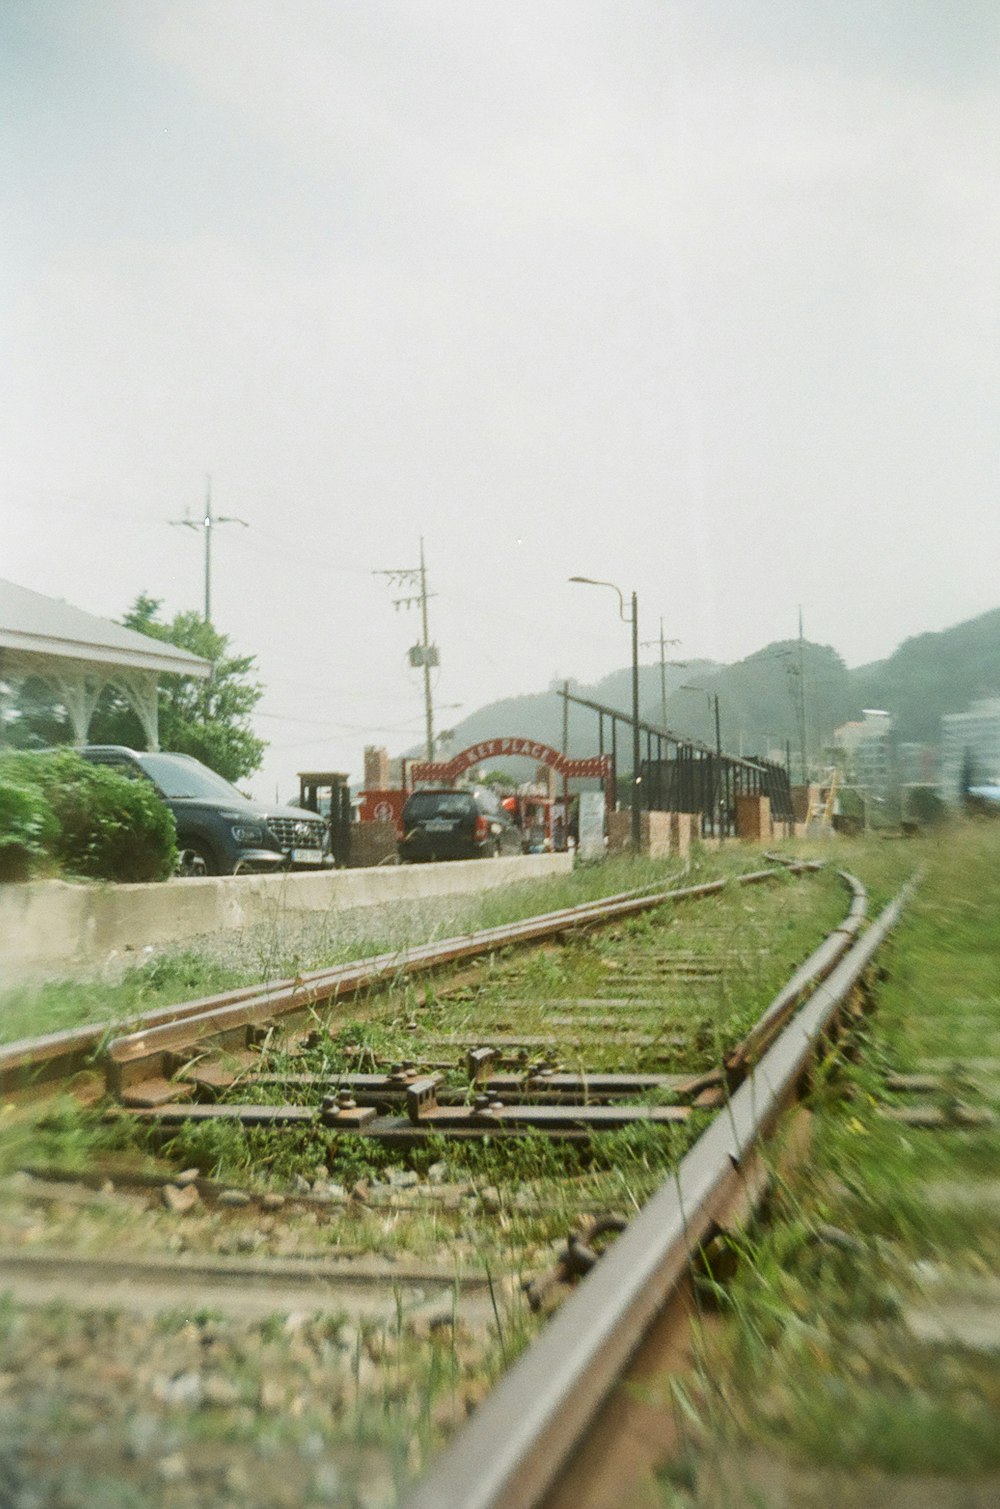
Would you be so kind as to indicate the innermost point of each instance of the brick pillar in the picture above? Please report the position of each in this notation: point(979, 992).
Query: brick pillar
point(619, 831)
point(684, 826)
point(753, 818)
point(376, 768)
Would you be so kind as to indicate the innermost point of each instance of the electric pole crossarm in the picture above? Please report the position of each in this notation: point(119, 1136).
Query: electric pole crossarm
point(206, 524)
point(649, 644)
point(424, 654)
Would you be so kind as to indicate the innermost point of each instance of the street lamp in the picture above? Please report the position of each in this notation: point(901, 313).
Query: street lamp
point(712, 697)
point(630, 617)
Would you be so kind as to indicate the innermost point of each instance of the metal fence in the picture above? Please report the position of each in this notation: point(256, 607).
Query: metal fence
point(682, 775)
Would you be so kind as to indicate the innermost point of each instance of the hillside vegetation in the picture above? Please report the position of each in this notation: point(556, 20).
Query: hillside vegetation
point(759, 697)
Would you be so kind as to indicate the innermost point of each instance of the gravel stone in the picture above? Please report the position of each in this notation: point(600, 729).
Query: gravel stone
point(219, 1392)
point(172, 1469)
point(403, 1178)
point(180, 1392)
point(327, 1483)
point(178, 1199)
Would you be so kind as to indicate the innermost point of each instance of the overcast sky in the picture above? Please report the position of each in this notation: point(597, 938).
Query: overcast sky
point(699, 296)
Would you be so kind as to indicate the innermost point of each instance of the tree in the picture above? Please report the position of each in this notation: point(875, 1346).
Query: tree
point(500, 781)
point(37, 719)
point(206, 719)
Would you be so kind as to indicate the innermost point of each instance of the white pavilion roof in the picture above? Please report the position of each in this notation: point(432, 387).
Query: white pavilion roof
point(33, 624)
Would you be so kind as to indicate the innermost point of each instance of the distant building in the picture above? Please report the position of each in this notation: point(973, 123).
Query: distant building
point(975, 733)
point(869, 753)
point(916, 764)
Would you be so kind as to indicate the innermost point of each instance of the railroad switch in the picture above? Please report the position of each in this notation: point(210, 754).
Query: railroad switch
point(488, 1110)
point(479, 1062)
point(150, 1093)
point(342, 1111)
point(547, 1290)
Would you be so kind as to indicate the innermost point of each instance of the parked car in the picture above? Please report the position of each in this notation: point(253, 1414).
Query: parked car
point(464, 823)
point(219, 830)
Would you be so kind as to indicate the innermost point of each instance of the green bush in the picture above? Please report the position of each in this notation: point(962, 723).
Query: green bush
point(103, 825)
point(27, 829)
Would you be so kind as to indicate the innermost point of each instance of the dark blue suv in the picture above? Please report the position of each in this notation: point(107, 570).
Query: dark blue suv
point(219, 830)
point(466, 822)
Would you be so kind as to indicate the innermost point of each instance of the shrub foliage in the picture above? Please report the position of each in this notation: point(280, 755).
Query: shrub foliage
point(27, 829)
point(83, 818)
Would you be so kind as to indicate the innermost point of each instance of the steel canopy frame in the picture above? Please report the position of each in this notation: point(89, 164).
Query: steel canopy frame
point(695, 778)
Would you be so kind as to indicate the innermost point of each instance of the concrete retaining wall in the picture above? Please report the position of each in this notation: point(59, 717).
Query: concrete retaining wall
point(50, 928)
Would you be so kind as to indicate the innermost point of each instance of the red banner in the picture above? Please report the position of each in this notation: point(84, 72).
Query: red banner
point(595, 767)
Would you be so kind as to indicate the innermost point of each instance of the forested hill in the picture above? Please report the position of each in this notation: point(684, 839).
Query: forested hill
point(759, 697)
point(934, 674)
point(539, 715)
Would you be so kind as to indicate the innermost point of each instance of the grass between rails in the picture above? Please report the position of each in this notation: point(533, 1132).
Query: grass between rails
point(757, 935)
point(823, 1381)
point(309, 1410)
point(295, 942)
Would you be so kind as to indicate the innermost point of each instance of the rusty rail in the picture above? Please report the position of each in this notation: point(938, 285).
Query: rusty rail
point(38, 1063)
point(520, 1441)
point(816, 967)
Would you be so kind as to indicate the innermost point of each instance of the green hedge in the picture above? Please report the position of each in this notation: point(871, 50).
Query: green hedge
point(27, 829)
point(60, 811)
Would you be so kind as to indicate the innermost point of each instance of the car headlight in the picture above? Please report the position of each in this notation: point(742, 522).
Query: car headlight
point(245, 835)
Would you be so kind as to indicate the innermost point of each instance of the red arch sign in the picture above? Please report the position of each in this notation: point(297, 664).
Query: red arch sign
point(594, 767)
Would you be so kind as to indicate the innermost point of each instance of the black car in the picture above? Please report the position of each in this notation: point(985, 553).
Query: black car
point(464, 823)
point(219, 830)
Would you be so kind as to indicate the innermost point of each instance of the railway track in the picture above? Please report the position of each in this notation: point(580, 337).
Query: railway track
point(403, 1143)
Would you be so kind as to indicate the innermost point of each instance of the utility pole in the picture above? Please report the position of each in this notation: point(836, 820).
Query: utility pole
point(648, 644)
point(802, 704)
point(423, 654)
point(206, 524)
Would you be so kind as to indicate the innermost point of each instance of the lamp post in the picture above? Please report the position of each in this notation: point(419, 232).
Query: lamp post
point(713, 699)
point(630, 617)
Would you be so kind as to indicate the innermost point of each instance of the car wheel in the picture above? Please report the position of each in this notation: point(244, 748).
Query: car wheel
point(193, 858)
